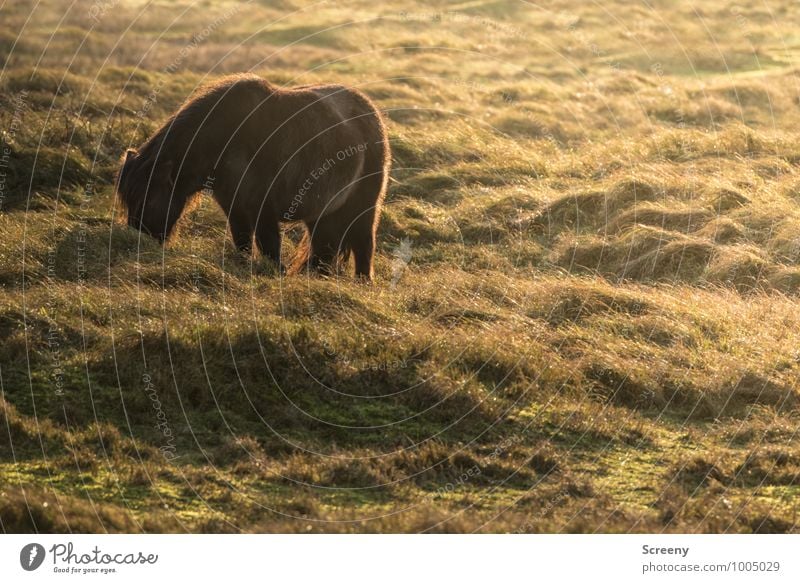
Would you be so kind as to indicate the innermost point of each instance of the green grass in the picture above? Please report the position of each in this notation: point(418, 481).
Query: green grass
point(585, 316)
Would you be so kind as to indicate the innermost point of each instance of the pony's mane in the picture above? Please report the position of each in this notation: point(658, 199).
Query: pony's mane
point(137, 166)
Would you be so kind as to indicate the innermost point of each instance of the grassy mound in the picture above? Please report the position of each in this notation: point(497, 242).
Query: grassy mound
point(585, 314)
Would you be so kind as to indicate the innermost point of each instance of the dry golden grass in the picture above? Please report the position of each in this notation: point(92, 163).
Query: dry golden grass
point(586, 310)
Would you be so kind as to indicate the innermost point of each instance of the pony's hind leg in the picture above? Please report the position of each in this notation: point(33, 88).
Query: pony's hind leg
point(361, 230)
point(327, 244)
point(361, 239)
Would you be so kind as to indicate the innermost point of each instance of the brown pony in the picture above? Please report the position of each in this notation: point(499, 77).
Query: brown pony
point(315, 154)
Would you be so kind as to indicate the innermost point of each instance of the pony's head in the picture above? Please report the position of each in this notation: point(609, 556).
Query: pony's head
point(150, 194)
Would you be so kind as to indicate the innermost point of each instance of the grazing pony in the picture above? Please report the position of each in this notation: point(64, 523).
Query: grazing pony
point(317, 154)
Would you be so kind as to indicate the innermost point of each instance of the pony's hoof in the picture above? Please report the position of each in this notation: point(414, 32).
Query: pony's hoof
point(364, 278)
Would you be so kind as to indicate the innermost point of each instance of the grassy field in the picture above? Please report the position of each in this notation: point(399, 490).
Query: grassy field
point(585, 314)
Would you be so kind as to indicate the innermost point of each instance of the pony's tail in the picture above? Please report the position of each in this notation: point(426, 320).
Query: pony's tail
point(302, 255)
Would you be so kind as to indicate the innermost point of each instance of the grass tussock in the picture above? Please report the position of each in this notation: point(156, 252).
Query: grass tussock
point(585, 310)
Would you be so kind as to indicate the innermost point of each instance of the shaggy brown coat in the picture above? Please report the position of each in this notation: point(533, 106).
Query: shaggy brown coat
point(315, 154)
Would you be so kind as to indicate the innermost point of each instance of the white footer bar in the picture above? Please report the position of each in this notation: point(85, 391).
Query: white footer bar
point(400, 558)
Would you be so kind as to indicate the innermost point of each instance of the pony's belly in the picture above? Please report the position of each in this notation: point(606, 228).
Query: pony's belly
point(325, 190)
point(310, 206)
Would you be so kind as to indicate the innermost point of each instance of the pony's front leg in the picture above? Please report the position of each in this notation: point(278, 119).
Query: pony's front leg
point(268, 238)
point(241, 232)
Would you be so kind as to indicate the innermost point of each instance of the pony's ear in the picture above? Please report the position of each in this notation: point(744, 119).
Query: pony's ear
point(130, 155)
point(125, 168)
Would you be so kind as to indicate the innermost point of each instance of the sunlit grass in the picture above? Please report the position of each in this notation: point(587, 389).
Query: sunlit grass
point(585, 309)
